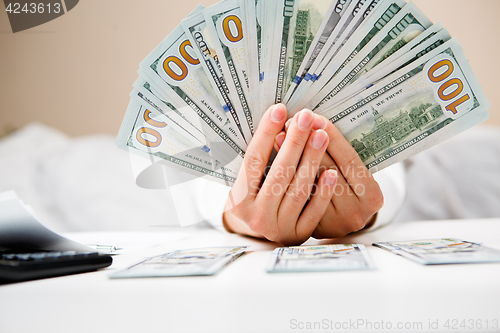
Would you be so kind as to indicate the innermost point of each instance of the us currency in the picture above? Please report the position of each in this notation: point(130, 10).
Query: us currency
point(224, 22)
point(268, 10)
point(352, 12)
point(418, 47)
point(368, 8)
point(145, 132)
point(375, 22)
point(183, 115)
point(188, 262)
point(289, 41)
point(320, 36)
point(405, 26)
point(173, 68)
point(253, 54)
point(348, 16)
point(196, 29)
point(314, 22)
point(185, 122)
point(435, 97)
point(320, 258)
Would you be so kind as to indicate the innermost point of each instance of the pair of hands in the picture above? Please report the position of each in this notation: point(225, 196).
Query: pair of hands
point(316, 186)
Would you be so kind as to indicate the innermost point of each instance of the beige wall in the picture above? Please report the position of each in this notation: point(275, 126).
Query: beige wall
point(76, 72)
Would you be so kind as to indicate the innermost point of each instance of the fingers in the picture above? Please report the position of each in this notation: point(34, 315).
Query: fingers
point(258, 152)
point(318, 123)
point(278, 141)
point(285, 164)
point(302, 184)
point(352, 167)
point(319, 203)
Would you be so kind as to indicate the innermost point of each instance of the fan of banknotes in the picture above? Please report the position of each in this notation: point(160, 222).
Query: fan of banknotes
point(392, 82)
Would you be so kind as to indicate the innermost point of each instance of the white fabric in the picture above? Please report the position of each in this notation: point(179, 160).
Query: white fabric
point(457, 179)
point(80, 184)
point(392, 182)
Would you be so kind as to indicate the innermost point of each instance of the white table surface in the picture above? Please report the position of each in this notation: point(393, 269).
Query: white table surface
point(244, 298)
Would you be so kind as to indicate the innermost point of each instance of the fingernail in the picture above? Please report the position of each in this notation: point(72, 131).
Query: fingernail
point(305, 119)
point(319, 139)
point(318, 123)
point(280, 138)
point(331, 177)
point(288, 123)
point(278, 113)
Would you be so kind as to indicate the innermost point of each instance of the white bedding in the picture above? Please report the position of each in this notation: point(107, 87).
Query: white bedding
point(86, 183)
point(79, 184)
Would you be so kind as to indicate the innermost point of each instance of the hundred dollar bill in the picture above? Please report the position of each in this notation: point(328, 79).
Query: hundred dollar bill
point(298, 32)
point(252, 48)
point(188, 262)
point(225, 22)
point(145, 132)
point(319, 258)
point(405, 26)
point(268, 12)
point(180, 113)
point(352, 12)
point(435, 97)
point(376, 21)
point(144, 92)
point(174, 69)
point(296, 23)
point(197, 32)
point(253, 54)
point(358, 18)
point(286, 12)
point(353, 15)
point(418, 47)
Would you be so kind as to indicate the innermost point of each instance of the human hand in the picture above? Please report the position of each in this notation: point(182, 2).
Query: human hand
point(357, 196)
point(275, 207)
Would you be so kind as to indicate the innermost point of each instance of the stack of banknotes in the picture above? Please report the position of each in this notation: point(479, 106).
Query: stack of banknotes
point(392, 82)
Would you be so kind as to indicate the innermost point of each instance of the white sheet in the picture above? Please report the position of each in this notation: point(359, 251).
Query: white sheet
point(79, 184)
point(457, 179)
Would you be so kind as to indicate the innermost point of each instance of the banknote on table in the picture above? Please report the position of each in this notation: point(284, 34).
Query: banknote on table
point(412, 109)
point(196, 29)
point(147, 133)
point(225, 22)
point(442, 251)
point(427, 41)
point(189, 262)
point(320, 258)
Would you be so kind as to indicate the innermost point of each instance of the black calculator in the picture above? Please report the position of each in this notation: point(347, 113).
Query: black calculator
point(15, 267)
